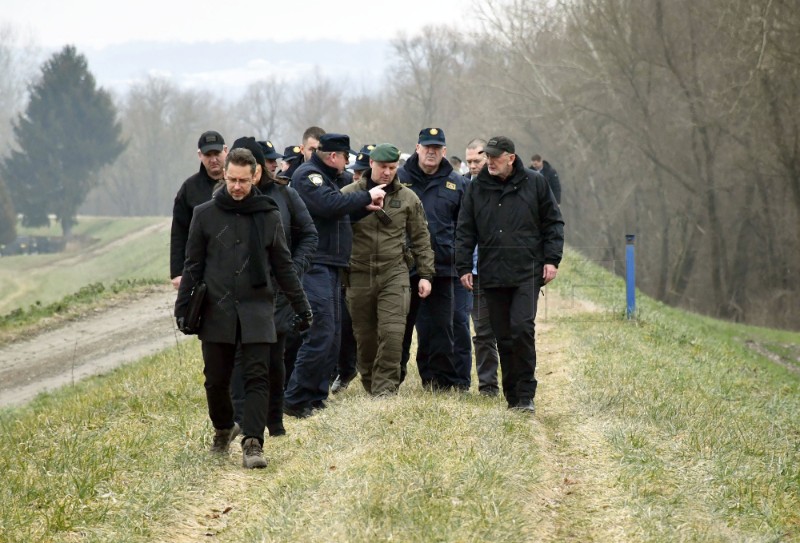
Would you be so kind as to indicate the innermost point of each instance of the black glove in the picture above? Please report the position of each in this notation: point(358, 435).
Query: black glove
point(302, 321)
point(181, 322)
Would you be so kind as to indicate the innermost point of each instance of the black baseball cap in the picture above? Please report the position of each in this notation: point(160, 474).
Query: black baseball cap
point(333, 143)
point(269, 150)
point(431, 136)
point(362, 160)
point(292, 153)
point(499, 145)
point(210, 141)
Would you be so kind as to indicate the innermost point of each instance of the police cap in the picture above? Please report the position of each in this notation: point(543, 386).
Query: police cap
point(334, 143)
point(431, 136)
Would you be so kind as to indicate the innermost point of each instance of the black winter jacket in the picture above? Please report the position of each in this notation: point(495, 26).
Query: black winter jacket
point(551, 176)
point(516, 224)
point(440, 195)
point(218, 252)
point(196, 190)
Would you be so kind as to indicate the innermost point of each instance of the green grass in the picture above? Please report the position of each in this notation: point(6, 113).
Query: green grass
point(115, 249)
point(665, 428)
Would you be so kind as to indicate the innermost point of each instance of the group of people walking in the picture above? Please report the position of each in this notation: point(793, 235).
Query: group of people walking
point(288, 254)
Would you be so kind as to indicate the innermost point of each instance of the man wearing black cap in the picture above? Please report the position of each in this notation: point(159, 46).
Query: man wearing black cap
point(377, 292)
point(292, 158)
point(197, 189)
point(362, 162)
point(301, 238)
point(271, 156)
point(346, 369)
point(316, 182)
point(510, 213)
point(429, 174)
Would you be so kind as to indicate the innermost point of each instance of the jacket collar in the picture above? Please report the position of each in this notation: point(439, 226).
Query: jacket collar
point(517, 176)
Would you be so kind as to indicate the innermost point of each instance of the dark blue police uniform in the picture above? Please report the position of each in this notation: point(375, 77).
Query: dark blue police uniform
point(329, 208)
point(438, 338)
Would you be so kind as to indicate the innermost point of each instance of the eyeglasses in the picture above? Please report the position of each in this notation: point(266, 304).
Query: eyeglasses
point(234, 182)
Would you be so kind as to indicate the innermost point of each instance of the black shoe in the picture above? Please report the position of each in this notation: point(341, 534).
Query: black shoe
point(300, 412)
point(319, 404)
point(489, 392)
point(525, 406)
point(276, 431)
point(340, 383)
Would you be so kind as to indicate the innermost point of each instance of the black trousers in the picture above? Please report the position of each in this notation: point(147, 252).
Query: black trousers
point(512, 311)
point(277, 376)
point(346, 366)
point(435, 358)
point(219, 360)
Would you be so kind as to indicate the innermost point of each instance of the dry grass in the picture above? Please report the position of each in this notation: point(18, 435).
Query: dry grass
point(656, 430)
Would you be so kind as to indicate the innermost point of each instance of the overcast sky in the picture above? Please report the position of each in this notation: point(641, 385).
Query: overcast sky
point(96, 24)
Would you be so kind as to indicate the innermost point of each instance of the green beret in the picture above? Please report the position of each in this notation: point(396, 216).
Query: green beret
point(385, 152)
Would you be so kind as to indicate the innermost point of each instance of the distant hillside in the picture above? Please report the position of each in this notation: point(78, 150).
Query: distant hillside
point(232, 66)
point(106, 249)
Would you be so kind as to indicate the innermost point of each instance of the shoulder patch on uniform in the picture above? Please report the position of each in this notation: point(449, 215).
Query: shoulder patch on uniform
point(316, 179)
point(450, 185)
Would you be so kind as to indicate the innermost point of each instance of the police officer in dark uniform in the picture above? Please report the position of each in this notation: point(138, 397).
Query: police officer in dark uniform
point(292, 158)
point(316, 182)
point(346, 369)
point(431, 176)
point(197, 189)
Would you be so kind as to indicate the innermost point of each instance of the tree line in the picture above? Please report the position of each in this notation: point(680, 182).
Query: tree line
point(675, 120)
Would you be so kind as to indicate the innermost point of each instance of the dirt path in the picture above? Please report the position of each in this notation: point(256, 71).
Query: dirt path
point(88, 346)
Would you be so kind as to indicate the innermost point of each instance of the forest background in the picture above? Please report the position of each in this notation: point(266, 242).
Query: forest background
point(674, 120)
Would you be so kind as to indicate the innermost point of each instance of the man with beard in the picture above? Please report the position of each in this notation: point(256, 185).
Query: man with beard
point(235, 241)
point(513, 217)
point(197, 189)
point(301, 238)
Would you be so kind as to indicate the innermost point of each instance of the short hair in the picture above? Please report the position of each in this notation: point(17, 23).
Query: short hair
point(313, 132)
point(241, 157)
point(536, 158)
point(477, 143)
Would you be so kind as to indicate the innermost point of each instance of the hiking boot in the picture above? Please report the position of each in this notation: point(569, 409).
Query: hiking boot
point(252, 455)
point(341, 383)
point(223, 438)
point(524, 406)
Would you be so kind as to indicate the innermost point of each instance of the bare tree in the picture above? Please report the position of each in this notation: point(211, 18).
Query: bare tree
point(263, 106)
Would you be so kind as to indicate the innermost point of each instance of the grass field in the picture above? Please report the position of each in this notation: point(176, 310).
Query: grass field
point(666, 428)
point(111, 249)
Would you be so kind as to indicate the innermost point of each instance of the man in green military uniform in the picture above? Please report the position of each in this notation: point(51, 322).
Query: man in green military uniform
point(378, 287)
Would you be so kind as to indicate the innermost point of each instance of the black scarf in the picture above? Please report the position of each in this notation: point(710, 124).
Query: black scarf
point(255, 204)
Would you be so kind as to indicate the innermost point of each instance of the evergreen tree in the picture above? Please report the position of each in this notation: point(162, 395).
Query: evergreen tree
point(8, 219)
point(67, 133)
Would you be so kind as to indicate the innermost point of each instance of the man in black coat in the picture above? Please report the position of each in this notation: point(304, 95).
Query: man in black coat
point(197, 189)
point(550, 174)
point(302, 239)
point(513, 217)
point(235, 241)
